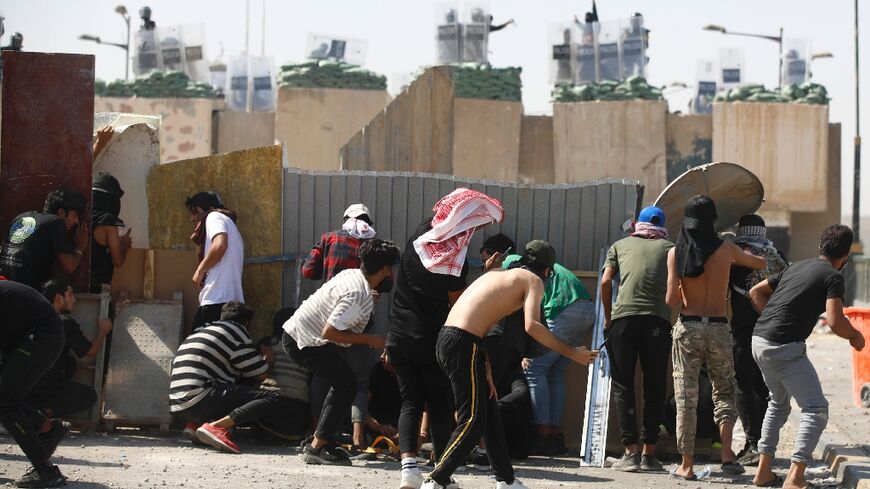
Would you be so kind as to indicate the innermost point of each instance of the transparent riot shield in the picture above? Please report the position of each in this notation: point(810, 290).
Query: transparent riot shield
point(633, 46)
point(585, 54)
point(561, 55)
point(795, 61)
point(171, 47)
point(702, 103)
point(447, 33)
point(263, 83)
point(195, 63)
point(146, 53)
point(608, 52)
point(237, 84)
point(475, 33)
point(323, 46)
point(218, 76)
point(731, 62)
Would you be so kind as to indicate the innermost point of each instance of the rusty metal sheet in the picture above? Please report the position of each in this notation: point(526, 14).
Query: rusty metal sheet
point(145, 339)
point(736, 191)
point(47, 130)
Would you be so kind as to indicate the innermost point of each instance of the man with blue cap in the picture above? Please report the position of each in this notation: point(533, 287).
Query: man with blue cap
point(638, 326)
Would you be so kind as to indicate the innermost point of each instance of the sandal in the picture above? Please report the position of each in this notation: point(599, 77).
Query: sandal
point(732, 468)
point(775, 482)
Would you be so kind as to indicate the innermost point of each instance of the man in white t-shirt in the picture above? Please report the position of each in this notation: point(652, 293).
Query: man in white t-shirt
point(330, 320)
point(221, 256)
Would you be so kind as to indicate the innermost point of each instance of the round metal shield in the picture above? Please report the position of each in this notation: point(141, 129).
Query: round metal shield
point(736, 191)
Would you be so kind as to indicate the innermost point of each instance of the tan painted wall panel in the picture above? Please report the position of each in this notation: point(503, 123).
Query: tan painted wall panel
point(785, 145)
point(611, 139)
point(244, 130)
point(250, 183)
point(185, 127)
point(536, 150)
point(315, 123)
point(689, 142)
point(486, 139)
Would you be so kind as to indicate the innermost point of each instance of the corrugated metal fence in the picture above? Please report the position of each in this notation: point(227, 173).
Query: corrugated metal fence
point(578, 219)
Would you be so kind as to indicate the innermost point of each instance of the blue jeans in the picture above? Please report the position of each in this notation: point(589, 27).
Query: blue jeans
point(546, 374)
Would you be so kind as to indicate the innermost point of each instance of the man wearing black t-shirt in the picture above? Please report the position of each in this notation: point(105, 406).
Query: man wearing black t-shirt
point(790, 303)
point(31, 338)
point(36, 239)
point(55, 394)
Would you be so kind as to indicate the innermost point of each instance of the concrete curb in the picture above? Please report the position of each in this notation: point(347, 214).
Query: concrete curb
point(849, 462)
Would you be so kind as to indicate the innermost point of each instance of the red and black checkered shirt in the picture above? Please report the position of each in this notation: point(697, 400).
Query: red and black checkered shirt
point(336, 251)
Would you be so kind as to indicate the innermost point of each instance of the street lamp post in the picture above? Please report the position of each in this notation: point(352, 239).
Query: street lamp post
point(776, 39)
point(122, 11)
point(856, 190)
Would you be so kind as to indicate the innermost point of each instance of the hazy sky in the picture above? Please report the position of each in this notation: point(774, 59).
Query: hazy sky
point(400, 35)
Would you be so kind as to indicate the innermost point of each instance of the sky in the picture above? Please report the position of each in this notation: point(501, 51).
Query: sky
point(400, 36)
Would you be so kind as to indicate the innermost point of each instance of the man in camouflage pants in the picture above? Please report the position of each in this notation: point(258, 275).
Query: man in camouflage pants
point(698, 271)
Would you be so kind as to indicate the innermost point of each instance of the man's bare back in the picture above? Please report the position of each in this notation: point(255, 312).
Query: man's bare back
point(706, 294)
point(492, 297)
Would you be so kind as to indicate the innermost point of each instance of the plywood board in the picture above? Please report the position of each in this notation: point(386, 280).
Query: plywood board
point(315, 123)
point(129, 156)
point(786, 145)
point(624, 139)
point(243, 130)
point(185, 123)
point(250, 183)
point(536, 150)
point(486, 139)
point(47, 129)
point(689, 142)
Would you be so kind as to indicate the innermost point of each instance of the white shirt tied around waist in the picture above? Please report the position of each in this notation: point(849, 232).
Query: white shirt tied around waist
point(345, 302)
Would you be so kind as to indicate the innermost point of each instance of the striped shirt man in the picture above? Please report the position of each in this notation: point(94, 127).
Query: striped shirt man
point(220, 352)
point(345, 302)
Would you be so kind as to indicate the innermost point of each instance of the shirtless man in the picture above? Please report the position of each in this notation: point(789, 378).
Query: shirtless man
point(698, 271)
point(461, 355)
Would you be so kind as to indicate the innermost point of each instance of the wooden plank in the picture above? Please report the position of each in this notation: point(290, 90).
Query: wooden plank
point(440, 130)
point(785, 145)
point(486, 139)
point(353, 154)
point(373, 139)
point(535, 163)
point(398, 131)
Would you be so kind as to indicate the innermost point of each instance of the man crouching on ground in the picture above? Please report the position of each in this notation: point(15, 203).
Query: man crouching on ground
point(461, 355)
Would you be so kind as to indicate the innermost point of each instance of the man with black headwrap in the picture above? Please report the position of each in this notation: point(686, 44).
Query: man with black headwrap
point(109, 249)
point(698, 270)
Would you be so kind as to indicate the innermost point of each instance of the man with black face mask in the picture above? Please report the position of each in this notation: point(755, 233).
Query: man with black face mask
point(461, 355)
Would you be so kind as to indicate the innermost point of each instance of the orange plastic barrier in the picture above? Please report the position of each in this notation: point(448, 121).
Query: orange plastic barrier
point(860, 318)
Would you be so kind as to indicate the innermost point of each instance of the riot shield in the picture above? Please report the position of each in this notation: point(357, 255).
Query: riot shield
point(322, 46)
point(263, 83)
point(193, 40)
point(702, 103)
point(730, 68)
point(561, 55)
point(585, 57)
point(608, 52)
point(146, 54)
point(171, 47)
point(237, 83)
point(475, 34)
point(633, 47)
point(447, 33)
point(795, 61)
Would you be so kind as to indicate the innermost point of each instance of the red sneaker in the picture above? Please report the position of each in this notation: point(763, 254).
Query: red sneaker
point(216, 437)
point(189, 432)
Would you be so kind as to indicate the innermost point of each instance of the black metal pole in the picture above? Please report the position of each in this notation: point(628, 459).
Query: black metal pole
point(127, 52)
point(780, 57)
point(856, 189)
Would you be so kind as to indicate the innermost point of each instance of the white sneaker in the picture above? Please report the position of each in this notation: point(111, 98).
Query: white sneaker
point(411, 479)
point(515, 485)
point(432, 485)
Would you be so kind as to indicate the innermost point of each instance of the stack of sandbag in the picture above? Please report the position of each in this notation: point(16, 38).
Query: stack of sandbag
point(158, 84)
point(806, 93)
point(330, 74)
point(482, 81)
point(633, 88)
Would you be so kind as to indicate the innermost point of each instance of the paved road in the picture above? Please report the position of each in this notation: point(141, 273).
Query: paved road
point(134, 461)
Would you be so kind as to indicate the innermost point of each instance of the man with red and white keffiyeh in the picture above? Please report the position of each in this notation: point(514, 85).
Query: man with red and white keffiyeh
point(431, 276)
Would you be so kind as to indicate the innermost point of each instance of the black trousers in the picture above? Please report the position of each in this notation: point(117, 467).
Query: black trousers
point(646, 338)
point(206, 314)
point(752, 392)
point(515, 410)
point(327, 362)
point(462, 357)
point(30, 360)
point(422, 384)
point(244, 404)
point(62, 397)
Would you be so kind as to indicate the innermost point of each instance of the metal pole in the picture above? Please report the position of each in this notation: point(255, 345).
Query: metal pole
point(249, 100)
point(263, 32)
point(856, 189)
point(780, 57)
point(127, 64)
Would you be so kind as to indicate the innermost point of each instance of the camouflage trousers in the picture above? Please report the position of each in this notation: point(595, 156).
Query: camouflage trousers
point(696, 343)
